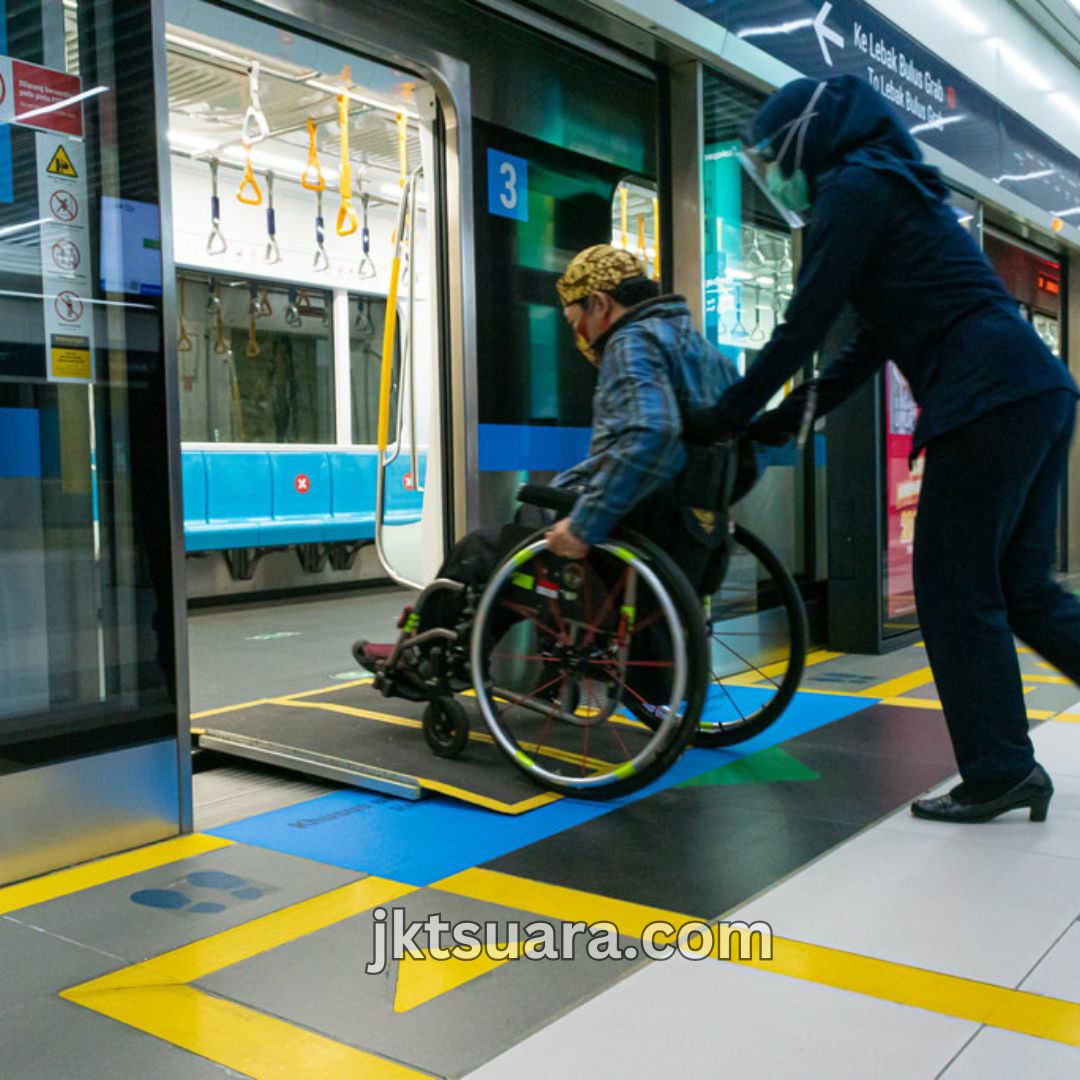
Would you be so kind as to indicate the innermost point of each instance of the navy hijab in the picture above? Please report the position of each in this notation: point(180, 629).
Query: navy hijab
point(852, 124)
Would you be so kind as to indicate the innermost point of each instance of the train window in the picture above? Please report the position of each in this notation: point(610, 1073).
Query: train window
point(367, 322)
point(748, 272)
point(635, 222)
point(256, 361)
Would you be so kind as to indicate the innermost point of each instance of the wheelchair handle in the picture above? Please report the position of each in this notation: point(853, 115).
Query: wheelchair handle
point(548, 498)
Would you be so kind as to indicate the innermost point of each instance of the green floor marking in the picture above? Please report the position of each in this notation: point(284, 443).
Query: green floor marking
point(764, 767)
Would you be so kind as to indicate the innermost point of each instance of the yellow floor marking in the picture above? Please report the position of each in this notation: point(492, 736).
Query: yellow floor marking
point(367, 680)
point(267, 701)
point(1069, 718)
point(895, 687)
point(204, 957)
point(1057, 680)
point(1048, 667)
point(154, 997)
point(228, 708)
point(951, 995)
point(554, 753)
point(422, 980)
point(236, 1036)
point(110, 868)
point(758, 675)
point(934, 703)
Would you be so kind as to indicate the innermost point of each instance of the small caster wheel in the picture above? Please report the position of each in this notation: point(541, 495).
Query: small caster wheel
point(446, 727)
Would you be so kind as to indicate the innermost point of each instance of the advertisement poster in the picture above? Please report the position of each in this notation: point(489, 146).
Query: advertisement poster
point(902, 484)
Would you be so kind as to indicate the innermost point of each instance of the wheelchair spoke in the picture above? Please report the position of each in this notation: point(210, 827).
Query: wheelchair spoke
point(594, 624)
point(526, 613)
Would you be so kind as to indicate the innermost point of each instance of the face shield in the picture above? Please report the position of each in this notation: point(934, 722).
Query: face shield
point(788, 194)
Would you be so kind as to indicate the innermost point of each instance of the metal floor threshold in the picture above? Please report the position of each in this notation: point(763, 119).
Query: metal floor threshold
point(303, 759)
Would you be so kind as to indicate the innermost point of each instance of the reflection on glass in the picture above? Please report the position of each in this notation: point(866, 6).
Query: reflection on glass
point(256, 361)
point(635, 222)
point(368, 317)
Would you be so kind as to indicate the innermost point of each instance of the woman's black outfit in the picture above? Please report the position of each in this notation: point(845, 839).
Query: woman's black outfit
point(997, 411)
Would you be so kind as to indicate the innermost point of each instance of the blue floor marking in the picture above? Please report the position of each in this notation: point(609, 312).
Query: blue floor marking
point(421, 842)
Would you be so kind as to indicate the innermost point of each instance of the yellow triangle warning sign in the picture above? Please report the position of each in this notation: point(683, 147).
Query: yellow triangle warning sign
point(421, 980)
point(61, 164)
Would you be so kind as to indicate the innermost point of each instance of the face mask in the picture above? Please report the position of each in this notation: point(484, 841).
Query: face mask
point(583, 347)
point(792, 192)
point(582, 343)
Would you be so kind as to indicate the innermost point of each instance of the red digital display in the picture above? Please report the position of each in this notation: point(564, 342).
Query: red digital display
point(1049, 285)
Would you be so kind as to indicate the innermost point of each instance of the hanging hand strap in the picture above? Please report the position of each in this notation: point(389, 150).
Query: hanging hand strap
point(255, 198)
point(255, 128)
point(273, 252)
point(346, 218)
point(216, 243)
point(184, 344)
point(221, 346)
point(321, 261)
point(313, 166)
point(367, 267)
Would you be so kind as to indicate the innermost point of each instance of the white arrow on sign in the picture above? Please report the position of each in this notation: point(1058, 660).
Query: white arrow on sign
point(826, 33)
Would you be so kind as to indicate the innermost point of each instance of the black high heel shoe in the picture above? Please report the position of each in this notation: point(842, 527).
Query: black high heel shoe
point(1033, 791)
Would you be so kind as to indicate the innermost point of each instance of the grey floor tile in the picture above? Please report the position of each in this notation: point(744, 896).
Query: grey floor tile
point(53, 1039)
point(1004, 1055)
point(1058, 973)
point(37, 964)
point(214, 891)
point(707, 1019)
point(319, 981)
point(933, 901)
point(264, 650)
point(1059, 835)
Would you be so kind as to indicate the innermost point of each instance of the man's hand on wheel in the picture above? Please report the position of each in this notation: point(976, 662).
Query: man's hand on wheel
point(562, 542)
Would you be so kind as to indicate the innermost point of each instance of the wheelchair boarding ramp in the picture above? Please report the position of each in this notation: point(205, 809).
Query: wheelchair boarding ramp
point(352, 735)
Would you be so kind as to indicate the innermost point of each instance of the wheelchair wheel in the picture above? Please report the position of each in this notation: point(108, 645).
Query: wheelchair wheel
point(560, 650)
point(757, 638)
point(446, 727)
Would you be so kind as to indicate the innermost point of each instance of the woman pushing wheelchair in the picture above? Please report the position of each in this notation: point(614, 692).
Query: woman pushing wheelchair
point(997, 412)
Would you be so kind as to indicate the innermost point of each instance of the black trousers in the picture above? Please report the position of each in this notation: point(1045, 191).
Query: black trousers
point(984, 560)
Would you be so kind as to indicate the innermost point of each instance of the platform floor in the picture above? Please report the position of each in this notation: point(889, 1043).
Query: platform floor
point(899, 948)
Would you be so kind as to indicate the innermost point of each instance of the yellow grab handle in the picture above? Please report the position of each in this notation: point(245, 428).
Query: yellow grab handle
point(623, 195)
point(347, 222)
point(402, 122)
point(656, 239)
point(387, 373)
point(319, 183)
point(255, 198)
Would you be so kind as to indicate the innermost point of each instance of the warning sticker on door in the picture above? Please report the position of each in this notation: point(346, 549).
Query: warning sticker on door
point(65, 269)
point(61, 164)
point(69, 357)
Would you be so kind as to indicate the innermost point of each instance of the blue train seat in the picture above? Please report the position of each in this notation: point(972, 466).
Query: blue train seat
point(301, 499)
point(237, 500)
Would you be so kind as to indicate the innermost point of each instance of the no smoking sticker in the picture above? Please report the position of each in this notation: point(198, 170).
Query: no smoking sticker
point(302, 484)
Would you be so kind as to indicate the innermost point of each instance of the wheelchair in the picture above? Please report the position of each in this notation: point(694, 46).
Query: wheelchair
point(593, 675)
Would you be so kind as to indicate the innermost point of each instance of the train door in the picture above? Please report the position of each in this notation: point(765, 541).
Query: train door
point(304, 243)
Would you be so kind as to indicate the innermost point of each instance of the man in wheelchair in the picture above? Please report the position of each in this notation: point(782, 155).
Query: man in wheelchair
point(653, 366)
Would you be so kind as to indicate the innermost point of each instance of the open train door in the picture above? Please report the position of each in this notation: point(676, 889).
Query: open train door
point(410, 428)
